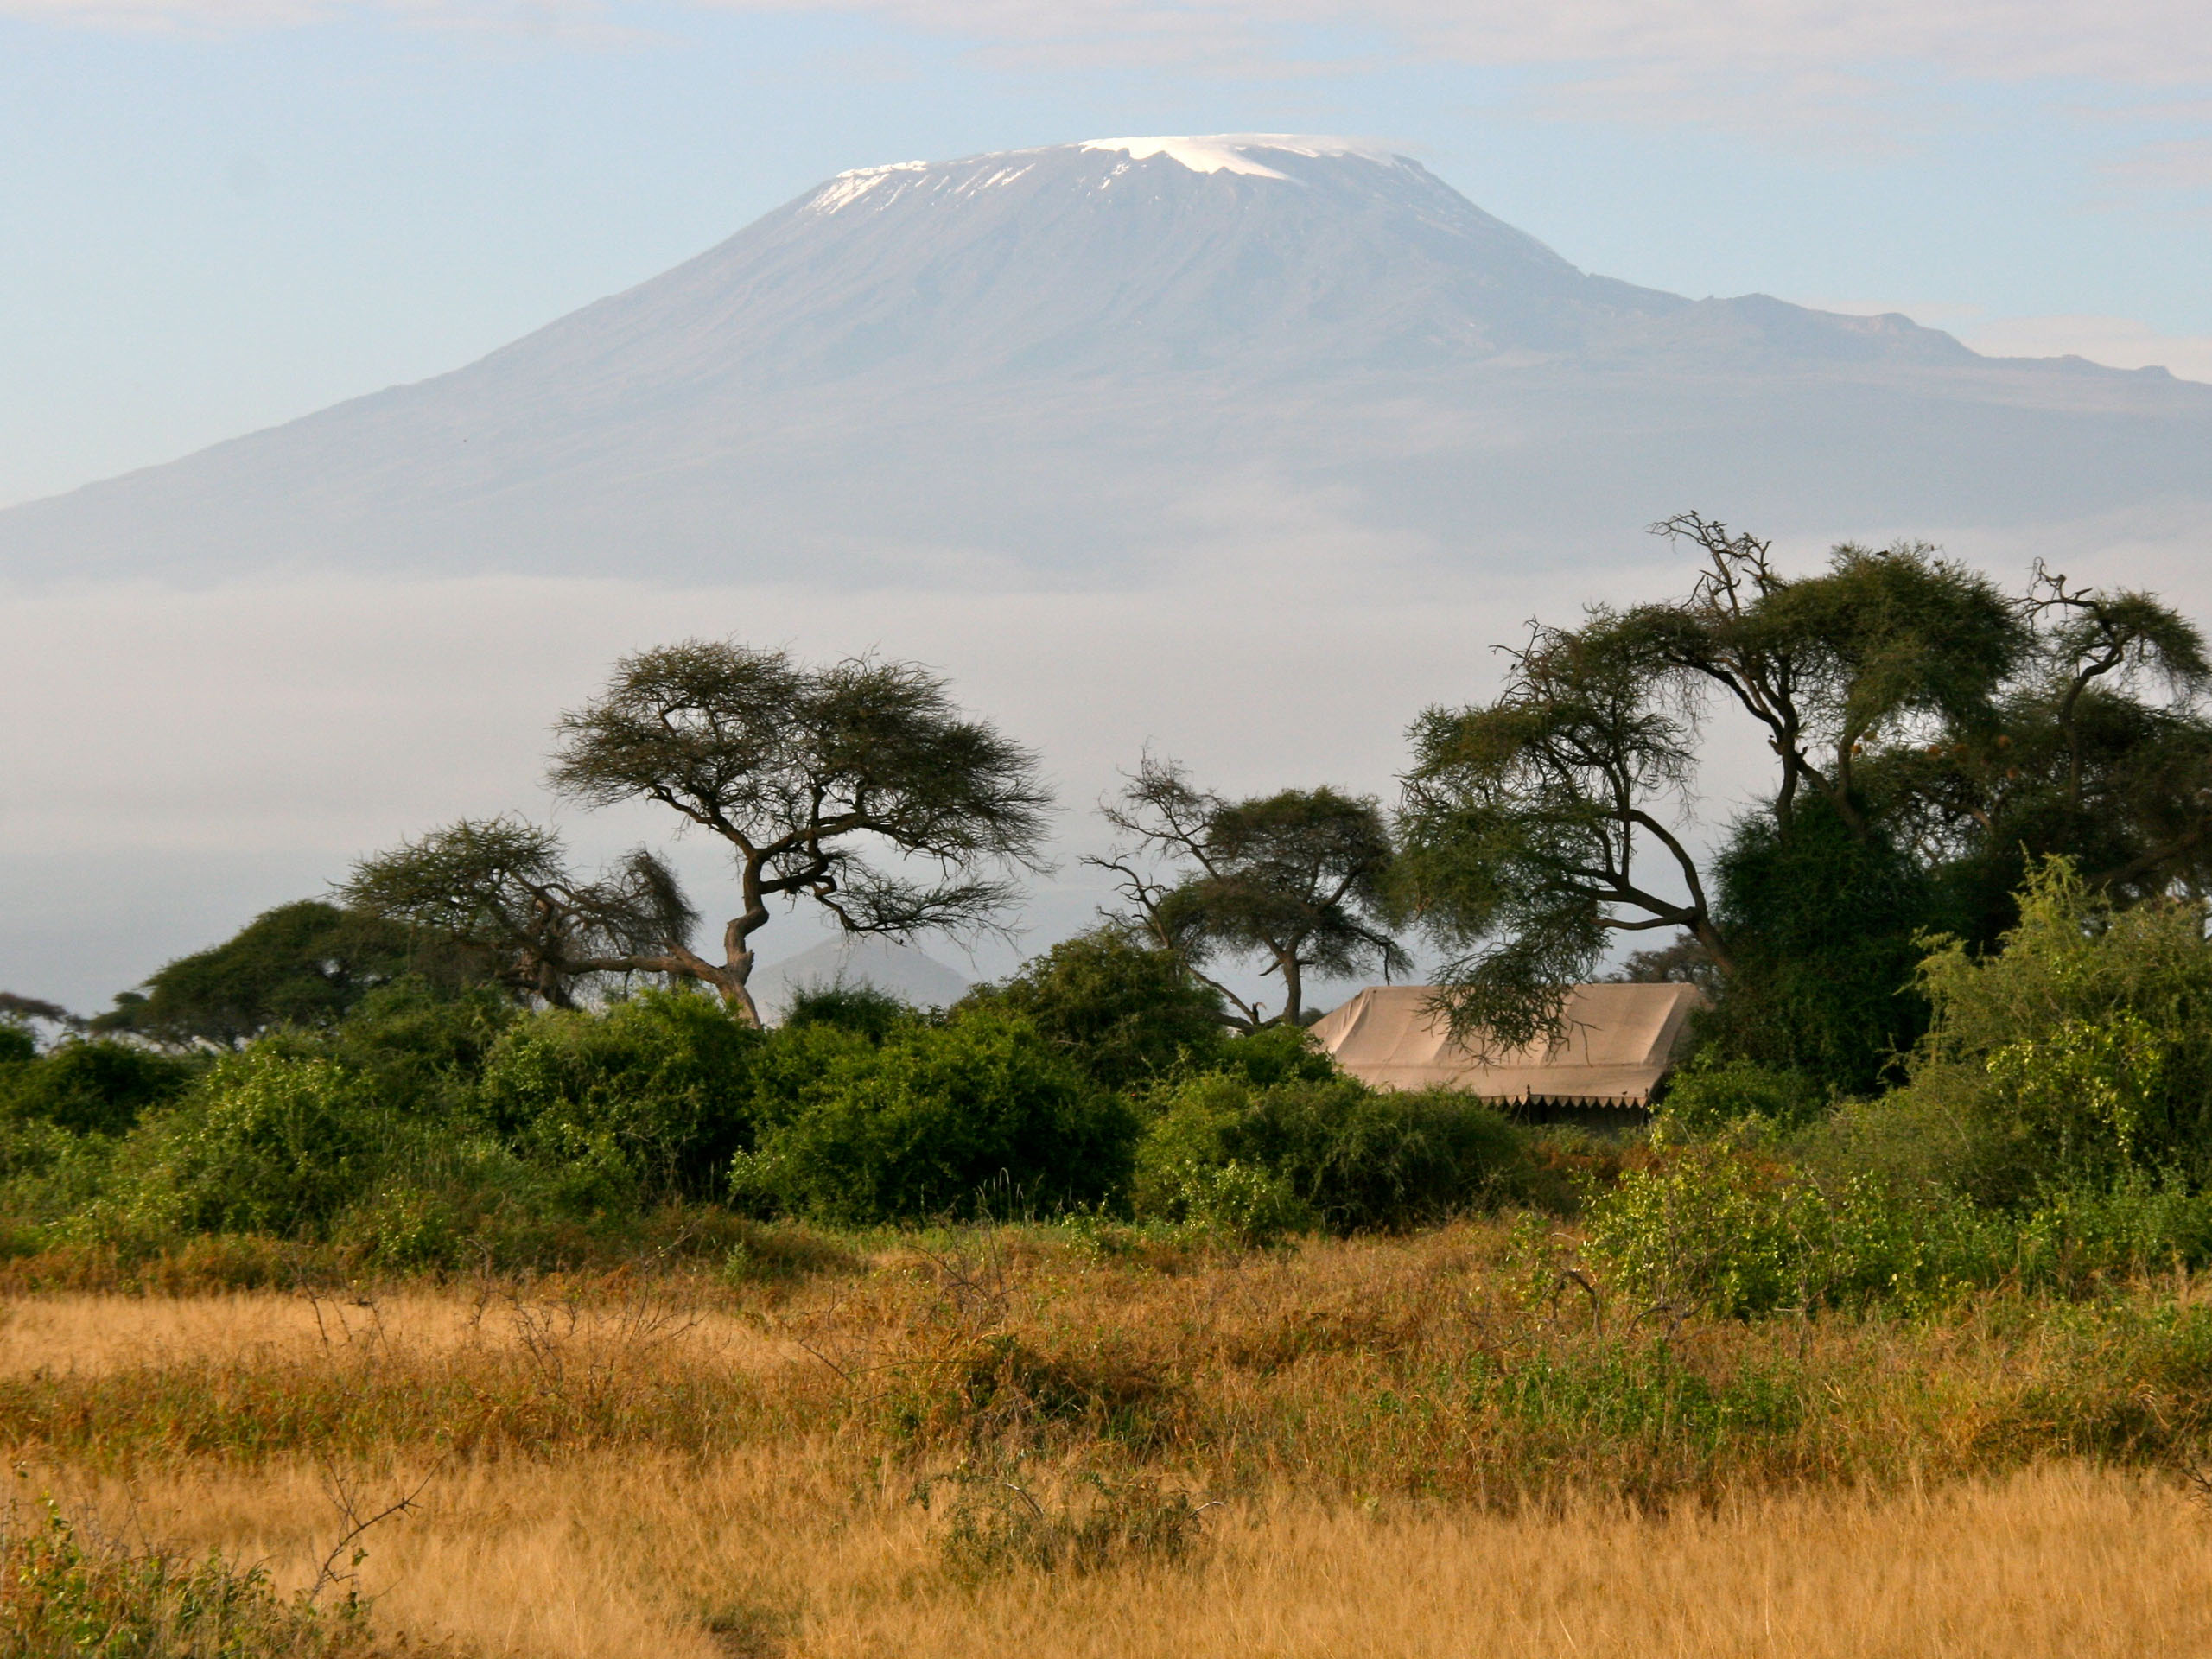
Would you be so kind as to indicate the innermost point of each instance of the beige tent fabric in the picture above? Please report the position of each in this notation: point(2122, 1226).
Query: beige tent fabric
point(1619, 1042)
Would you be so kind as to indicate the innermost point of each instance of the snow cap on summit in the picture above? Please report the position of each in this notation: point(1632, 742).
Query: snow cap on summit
point(1224, 152)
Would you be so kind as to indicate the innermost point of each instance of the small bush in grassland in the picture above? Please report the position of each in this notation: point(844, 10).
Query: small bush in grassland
point(999, 1517)
point(1708, 1226)
point(1742, 1233)
point(1261, 1159)
point(997, 1389)
point(60, 1596)
point(928, 1123)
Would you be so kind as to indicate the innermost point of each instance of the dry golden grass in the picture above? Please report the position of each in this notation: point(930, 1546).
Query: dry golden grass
point(606, 1557)
point(1397, 1451)
point(92, 1336)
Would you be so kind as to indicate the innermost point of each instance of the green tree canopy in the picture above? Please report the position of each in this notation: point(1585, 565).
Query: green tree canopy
point(299, 964)
point(1928, 732)
point(1295, 879)
point(502, 892)
point(833, 786)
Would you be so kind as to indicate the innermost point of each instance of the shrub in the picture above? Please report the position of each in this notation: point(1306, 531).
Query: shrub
point(46, 1172)
point(94, 1087)
point(1276, 1054)
point(860, 1008)
point(59, 1596)
point(923, 1123)
point(656, 1092)
point(264, 1144)
point(2079, 1052)
point(420, 1046)
point(1126, 1014)
point(1712, 1227)
point(1351, 1156)
point(1711, 1095)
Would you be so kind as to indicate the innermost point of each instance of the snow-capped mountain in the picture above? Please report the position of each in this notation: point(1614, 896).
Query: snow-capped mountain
point(1077, 363)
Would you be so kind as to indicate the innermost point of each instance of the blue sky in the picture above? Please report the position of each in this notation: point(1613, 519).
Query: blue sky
point(216, 214)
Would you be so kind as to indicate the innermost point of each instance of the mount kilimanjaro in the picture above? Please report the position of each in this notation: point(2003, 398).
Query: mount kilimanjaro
point(1093, 362)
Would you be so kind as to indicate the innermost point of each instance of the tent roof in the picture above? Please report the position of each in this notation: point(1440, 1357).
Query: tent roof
point(1620, 1040)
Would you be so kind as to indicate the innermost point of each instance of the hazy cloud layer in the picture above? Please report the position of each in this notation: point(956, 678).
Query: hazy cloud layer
point(2146, 42)
point(200, 756)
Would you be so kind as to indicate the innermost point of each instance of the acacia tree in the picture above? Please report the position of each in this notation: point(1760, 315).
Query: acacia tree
point(1295, 877)
point(1529, 823)
point(2101, 753)
point(1525, 822)
point(811, 776)
point(304, 963)
point(503, 890)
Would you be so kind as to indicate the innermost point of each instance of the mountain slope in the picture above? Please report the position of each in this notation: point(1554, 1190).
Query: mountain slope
point(1081, 363)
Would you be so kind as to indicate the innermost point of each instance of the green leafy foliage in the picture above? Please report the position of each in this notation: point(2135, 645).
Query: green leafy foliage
point(1708, 1226)
point(976, 1113)
point(1264, 1158)
point(1126, 1014)
point(262, 1144)
point(302, 964)
point(59, 1596)
point(862, 1008)
point(656, 1091)
point(1711, 1227)
point(92, 1087)
point(1811, 992)
point(1711, 1095)
point(2078, 1054)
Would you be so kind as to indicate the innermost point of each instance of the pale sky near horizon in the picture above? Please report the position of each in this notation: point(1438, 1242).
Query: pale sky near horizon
point(218, 214)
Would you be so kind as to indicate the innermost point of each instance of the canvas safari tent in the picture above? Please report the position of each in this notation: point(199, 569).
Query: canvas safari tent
point(1620, 1041)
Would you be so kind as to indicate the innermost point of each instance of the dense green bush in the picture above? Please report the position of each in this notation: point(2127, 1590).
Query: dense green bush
point(1711, 1227)
point(862, 1008)
point(92, 1088)
point(2079, 1054)
point(975, 1114)
point(420, 1046)
point(1126, 1014)
point(262, 1144)
point(1266, 1156)
point(1712, 1095)
point(657, 1090)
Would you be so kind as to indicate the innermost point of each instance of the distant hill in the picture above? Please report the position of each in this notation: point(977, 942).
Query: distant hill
point(1073, 364)
point(906, 973)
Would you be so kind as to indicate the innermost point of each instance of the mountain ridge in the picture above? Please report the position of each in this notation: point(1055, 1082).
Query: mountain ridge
point(1026, 365)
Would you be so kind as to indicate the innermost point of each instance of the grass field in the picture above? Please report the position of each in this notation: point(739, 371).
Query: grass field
point(1071, 1441)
